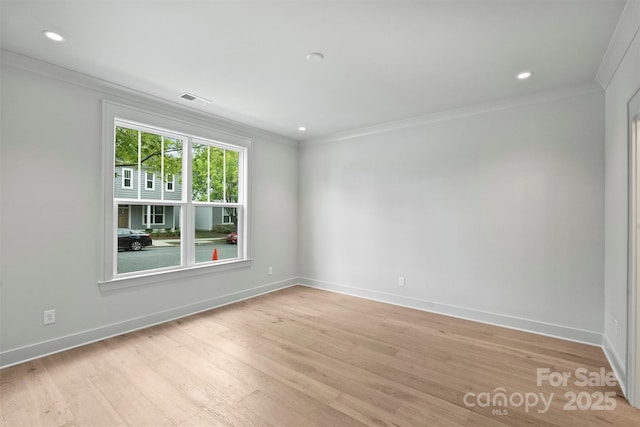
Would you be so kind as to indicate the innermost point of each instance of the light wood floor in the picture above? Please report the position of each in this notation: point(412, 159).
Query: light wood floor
point(303, 357)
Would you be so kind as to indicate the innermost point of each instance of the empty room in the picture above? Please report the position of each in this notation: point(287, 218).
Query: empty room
point(320, 213)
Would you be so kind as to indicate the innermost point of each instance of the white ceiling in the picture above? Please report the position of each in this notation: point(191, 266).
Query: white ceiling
point(384, 60)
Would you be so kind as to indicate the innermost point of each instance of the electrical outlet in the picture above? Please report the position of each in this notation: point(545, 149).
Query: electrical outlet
point(270, 270)
point(49, 317)
point(401, 281)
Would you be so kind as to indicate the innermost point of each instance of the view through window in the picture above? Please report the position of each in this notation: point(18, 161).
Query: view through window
point(178, 199)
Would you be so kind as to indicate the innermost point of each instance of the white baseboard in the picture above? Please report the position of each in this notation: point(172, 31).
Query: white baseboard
point(548, 329)
point(615, 361)
point(44, 348)
point(33, 351)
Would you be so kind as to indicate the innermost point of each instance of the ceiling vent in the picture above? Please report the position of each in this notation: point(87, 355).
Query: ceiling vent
point(192, 97)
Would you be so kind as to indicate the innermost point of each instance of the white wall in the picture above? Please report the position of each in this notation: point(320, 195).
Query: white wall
point(625, 81)
point(51, 221)
point(495, 216)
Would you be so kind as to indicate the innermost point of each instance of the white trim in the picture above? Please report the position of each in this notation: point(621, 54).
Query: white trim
point(633, 292)
point(188, 132)
point(626, 31)
point(172, 182)
point(615, 361)
point(147, 181)
point(152, 277)
point(224, 208)
point(473, 110)
point(511, 322)
point(129, 95)
point(152, 220)
point(23, 354)
point(124, 171)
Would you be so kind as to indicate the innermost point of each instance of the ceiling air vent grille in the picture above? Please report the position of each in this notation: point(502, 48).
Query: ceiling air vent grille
point(192, 97)
point(188, 97)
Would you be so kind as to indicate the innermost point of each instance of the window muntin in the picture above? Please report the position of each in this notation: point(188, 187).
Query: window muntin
point(139, 249)
point(148, 154)
point(166, 212)
point(127, 178)
point(229, 215)
point(153, 215)
point(150, 179)
point(213, 237)
point(215, 175)
point(170, 182)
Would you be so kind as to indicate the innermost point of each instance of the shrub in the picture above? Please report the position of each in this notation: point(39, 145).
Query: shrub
point(223, 228)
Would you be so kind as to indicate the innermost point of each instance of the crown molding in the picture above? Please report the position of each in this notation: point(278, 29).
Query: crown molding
point(502, 104)
point(46, 69)
point(626, 31)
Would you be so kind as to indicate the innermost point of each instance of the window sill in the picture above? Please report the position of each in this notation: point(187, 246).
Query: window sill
point(119, 283)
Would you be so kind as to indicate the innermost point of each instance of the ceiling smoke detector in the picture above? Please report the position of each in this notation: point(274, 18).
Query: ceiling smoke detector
point(315, 57)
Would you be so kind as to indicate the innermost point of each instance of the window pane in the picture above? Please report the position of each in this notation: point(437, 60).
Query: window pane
point(216, 174)
point(213, 235)
point(231, 176)
point(148, 237)
point(151, 207)
point(145, 163)
point(200, 172)
point(149, 180)
point(173, 168)
point(126, 158)
point(151, 163)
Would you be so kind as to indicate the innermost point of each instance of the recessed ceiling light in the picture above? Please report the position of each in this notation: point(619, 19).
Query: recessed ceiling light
point(524, 75)
point(315, 57)
point(302, 128)
point(51, 35)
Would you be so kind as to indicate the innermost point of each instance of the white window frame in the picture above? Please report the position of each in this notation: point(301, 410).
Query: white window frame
point(124, 178)
point(173, 184)
point(173, 123)
point(223, 215)
point(152, 212)
point(147, 181)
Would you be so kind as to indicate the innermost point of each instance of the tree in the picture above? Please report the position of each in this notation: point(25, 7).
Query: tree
point(214, 169)
point(166, 161)
point(215, 176)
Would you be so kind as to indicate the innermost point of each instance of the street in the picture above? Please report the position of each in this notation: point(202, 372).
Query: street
point(167, 256)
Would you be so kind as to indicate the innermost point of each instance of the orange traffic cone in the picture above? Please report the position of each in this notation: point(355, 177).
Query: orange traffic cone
point(215, 254)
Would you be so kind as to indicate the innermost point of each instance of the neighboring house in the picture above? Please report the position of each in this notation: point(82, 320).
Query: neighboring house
point(208, 217)
point(141, 216)
point(128, 181)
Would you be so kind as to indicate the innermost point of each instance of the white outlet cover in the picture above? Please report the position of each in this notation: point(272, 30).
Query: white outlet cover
point(49, 317)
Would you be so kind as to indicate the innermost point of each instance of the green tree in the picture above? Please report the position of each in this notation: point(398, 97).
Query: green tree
point(152, 156)
point(215, 176)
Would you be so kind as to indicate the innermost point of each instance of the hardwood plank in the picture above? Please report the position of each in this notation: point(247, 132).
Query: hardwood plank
point(77, 376)
point(305, 357)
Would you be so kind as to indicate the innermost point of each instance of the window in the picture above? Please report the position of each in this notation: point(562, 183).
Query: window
point(171, 182)
point(150, 178)
point(154, 215)
point(127, 178)
point(228, 214)
point(181, 225)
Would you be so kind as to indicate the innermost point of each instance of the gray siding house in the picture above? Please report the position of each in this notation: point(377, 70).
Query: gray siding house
point(132, 184)
point(128, 182)
point(208, 217)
